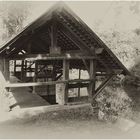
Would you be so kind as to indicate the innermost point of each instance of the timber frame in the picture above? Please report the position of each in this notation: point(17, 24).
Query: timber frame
point(55, 43)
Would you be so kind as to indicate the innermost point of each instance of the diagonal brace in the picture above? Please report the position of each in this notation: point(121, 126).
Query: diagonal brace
point(103, 85)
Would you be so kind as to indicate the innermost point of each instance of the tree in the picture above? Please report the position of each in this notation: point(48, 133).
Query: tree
point(13, 18)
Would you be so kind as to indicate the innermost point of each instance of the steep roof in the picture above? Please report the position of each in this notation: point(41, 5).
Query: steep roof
point(72, 33)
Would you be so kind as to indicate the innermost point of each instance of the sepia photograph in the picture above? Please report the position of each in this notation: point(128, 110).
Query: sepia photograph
point(69, 69)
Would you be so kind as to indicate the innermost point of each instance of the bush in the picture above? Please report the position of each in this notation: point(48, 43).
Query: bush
point(113, 103)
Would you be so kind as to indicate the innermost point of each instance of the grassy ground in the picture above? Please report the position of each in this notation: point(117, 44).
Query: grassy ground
point(73, 123)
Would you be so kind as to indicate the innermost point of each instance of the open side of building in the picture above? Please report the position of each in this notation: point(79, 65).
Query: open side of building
point(42, 55)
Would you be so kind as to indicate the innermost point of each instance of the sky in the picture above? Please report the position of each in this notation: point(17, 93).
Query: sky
point(104, 15)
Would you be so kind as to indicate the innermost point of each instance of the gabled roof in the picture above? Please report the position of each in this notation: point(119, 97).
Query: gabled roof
point(72, 26)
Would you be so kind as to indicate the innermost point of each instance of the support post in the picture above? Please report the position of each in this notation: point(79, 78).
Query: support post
point(14, 67)
point(65, 77)
point(79, 87)
point(35, 75)
point(22, 70)
point(25, 72)
point(92, 75)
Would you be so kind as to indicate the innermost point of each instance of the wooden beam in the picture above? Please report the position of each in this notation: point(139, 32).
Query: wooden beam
point(53, 34)
point(78, 85)
point(31, 84)
point(104, 74)
point(33, 57)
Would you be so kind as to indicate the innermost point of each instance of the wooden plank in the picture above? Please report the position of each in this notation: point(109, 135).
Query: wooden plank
point(46, 83)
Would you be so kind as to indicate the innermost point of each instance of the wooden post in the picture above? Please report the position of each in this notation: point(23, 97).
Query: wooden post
point(35, 75)
point(22, 70)
point(92, 75)
point(14, 67)
point(79, 87)
point(25, 69)
point(65, 77)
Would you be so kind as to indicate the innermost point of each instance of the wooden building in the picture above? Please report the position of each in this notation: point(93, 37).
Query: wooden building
point(45, 51)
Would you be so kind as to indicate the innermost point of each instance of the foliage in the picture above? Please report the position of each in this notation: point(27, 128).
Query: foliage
point(114, 103)
point(13, 19)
